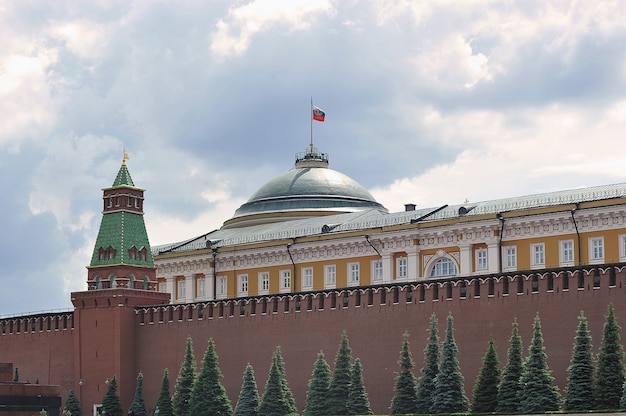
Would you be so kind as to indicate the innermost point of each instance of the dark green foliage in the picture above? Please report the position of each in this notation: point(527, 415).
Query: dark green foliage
point(509, 385)
point(358, 403)
point(248, 403)
point(138, 407)
point(274, 401)
point(610, 370)
point(340, 381)
point(164, 402)
point(72, 405)
point(486, 387)
point(622, 402)
point(287, 394)
point(579, 391)
point(111, 401)
point(318, 388)
point(449, 389)
point(16, 376)
point(208, 397)
point(404, 400)
point(184, 382)
point(536, 392)
point(426, 383)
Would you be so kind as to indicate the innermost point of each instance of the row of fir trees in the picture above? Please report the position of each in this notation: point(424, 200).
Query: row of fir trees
point(525, 385)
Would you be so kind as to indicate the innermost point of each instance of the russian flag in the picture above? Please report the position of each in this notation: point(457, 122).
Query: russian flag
point(318, 114)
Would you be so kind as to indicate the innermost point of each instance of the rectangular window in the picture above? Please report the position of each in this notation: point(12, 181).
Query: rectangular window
point(622, 247)
point(222, 287)
point(353, 274)
point(285, 281)
point(401, 268)
point(567, 252)
point(596, 250)
point(264, 283)
point(481, 259)
point(510, 257)
point(377, 271)
point(201, 287)
point(182, 289)
point(537, 255)
point(330, 276)
point(242, 284)
point(162, 287)
point(307, 277)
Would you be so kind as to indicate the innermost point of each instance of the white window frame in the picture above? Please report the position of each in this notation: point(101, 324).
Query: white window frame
point(377, 270)
point(510, 257)
point(264, 283)
point(162, 287)
point(444, 271)
point(201, 287)
point(596, 250)
point(285, 281)
point(182, 289)
point(566, 252)
point(402, 268)
point(537, 255)
point(622, 247)
point(482, 262)
point(354, 274)
point(222, 287)
point(307, 277)
point(330, 276)
point(242, 285)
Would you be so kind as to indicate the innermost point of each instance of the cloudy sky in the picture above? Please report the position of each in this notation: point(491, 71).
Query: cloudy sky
point(427, 102)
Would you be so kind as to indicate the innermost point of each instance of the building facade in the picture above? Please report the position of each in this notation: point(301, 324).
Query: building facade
point(312, 254)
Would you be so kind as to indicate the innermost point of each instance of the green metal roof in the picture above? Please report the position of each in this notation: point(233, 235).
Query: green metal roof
point(122, 230)
point(123, 177)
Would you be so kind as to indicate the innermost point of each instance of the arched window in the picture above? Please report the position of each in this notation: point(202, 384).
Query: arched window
point(443, 267)
point(112, 283)
point(144, 284)
point(131, 281)
point(98, 281)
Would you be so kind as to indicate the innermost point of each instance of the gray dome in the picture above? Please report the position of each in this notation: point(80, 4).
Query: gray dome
point(310, 189)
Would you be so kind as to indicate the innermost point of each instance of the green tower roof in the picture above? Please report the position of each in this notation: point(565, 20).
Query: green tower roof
point(123, 177)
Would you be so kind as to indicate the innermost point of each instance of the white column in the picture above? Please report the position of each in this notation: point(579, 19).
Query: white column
point(387, 259)
point(190, 288)
point(492, 257)
point(413, 263)
point(465, 260)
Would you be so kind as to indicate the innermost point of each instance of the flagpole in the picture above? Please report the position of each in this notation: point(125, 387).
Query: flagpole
point(311, 118)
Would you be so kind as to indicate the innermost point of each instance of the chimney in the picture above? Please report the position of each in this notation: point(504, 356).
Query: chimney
point(409, 207)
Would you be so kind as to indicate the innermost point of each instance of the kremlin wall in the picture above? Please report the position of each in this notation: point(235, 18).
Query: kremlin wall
point(312, 254)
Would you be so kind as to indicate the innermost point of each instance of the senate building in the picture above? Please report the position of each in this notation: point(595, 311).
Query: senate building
point(312, 254)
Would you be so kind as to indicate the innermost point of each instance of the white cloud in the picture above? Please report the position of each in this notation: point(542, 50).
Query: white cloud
point(234, 34)
point(86, 39)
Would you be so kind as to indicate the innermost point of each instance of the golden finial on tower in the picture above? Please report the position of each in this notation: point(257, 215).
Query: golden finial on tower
point(125, 157)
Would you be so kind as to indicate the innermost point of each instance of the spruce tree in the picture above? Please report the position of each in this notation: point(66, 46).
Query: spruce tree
point(509, 384)
point(72, 405)
point(274, 402)
point(208, 397)
point(610, 368)
point(358, 403)
point(622, 402)
point(486, 387)
point(449, 388)
point(284, 385)
point(318, 388)
point(164, 402)
point(111, 401)
point(536, 392)
point(248, 403)
point(404, 400)
point(579, 391)
point(138, 407)
point(184, 382)
point(426, 383)
point(340, 382)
